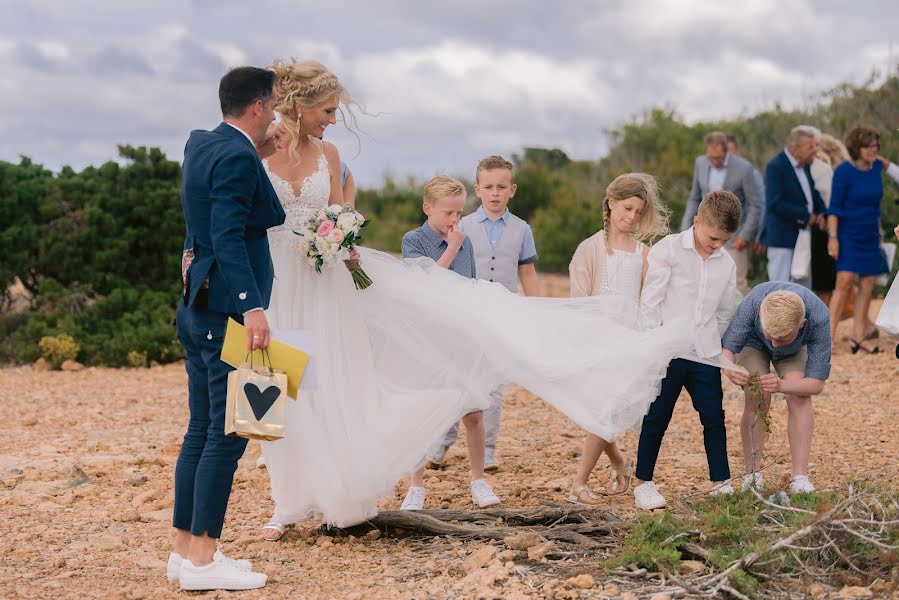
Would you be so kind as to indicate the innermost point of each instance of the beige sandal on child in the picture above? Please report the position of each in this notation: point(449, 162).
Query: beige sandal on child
point(581, 494)
point(621, 478)
point(272, 531)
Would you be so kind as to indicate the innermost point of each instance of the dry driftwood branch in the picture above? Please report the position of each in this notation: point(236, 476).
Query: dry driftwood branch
point(548, 523)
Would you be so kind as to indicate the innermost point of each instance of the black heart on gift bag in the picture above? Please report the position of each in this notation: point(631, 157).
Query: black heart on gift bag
point(260, 402)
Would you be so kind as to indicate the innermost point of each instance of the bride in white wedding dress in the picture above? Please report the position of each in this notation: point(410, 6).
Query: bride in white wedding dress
point(401, 361)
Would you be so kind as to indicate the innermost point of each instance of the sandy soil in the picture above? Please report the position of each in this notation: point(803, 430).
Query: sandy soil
point(87, 462)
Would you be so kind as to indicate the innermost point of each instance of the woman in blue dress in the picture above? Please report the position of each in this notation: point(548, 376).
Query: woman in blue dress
point(853, 224)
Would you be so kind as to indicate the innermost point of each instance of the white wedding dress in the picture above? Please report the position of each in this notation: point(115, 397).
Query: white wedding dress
point(400, 362)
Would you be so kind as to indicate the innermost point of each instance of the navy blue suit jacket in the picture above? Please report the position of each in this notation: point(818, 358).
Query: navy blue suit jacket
point(228, 203)
point(786, 209)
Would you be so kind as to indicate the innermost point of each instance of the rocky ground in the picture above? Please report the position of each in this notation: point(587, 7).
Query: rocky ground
point(87, 462)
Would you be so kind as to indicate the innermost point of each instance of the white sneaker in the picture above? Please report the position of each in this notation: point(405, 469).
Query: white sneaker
point(436, 460)
point(173, 568)
point(490, 462)
point(415, 498)
point(482, 494)
point(722, 488)
point(753, 480)
point(219, 575)
point(800, 484)
point(647, 496)
point(260, 462)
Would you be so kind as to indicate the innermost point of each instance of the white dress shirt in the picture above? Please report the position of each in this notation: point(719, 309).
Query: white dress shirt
point(717, 176)
point(803, 181)
point(681, 285)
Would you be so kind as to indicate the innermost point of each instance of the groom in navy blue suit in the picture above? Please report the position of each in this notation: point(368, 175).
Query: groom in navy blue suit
point(227, 271)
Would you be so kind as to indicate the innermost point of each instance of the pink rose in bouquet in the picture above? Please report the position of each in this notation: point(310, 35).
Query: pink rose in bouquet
point(326, 227)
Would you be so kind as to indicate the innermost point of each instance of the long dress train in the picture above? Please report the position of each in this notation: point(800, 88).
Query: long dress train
point(401, 361)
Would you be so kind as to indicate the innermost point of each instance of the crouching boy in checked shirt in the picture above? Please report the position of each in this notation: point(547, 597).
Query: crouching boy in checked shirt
point(788, 325)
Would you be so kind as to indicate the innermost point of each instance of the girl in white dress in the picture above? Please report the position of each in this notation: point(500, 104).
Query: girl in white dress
point(401, 361)
point(611, 265)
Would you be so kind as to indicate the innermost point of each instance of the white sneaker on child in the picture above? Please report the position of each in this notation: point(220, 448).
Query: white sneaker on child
point(800, 484)
point(753, 480)
point(173, 568)
point(435, 461)
point(415, 498)
point(647, 496)
point(219, 575)
point(482, 494)
point(722, 488)
point(490, 462)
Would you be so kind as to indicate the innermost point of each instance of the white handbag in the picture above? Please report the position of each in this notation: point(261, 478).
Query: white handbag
point(801, 266)
point(889, 251)
point(888, 317)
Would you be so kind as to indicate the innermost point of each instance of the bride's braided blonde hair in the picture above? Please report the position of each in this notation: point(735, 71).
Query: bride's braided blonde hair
point(301, 85)
point(654, 219)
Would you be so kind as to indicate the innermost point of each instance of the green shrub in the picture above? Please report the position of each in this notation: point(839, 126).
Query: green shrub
point(58, 349)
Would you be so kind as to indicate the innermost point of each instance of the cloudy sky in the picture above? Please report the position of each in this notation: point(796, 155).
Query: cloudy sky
point(440, 84)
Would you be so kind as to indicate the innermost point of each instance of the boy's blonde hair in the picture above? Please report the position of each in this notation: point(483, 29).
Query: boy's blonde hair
point(490, 163)
point(781, 313)
point(654, 220)
point(442, 186)
point(721, 210)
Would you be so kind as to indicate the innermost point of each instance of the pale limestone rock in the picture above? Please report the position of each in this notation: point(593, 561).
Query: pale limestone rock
point(583, 581)
point(522, 541)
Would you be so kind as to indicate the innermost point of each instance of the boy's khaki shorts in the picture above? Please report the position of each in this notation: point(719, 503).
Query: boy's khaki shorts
point(755, 360)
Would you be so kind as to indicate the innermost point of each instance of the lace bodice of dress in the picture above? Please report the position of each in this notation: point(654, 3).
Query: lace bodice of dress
point(314, 194)
point(622, 273)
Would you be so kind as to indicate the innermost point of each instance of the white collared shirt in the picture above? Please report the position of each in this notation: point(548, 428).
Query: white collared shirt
point(681, 285)
point(717, 176)
point(803, 181)
point(246, 135)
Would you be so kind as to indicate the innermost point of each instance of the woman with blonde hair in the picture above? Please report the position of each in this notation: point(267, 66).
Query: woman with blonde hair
point(611, 265)
point(831, 154)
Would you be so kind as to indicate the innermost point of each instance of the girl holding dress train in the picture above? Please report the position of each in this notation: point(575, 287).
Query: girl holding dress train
point(611, 265)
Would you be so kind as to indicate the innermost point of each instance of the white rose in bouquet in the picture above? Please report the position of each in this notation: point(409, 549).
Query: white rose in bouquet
point(347, 223)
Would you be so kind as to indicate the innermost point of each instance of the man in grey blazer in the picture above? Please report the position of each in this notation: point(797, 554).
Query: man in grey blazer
point(717, 170)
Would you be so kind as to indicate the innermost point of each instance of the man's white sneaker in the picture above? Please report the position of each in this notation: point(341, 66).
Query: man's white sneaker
point(722, 488)
point(173, 568)
point(482, 494)
point(219, 575)
point(647, 496)
point(415, 499)
point(800, 484)
point(753, 480)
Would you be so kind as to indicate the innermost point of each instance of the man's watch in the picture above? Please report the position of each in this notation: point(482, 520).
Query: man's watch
point(831, 235)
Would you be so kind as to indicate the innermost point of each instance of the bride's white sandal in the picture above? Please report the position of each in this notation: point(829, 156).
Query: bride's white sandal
point(276, 527)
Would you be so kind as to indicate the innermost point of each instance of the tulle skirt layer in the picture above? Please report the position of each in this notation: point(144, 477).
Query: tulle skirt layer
point(401, 361)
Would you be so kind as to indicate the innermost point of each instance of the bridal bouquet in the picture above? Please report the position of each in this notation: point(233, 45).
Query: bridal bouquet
point(330, 235)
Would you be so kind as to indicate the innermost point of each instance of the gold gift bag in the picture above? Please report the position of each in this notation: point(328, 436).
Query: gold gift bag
point(255, 406)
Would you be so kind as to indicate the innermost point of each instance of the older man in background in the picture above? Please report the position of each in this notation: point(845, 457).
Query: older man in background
point(791, 202)
point(718, 170)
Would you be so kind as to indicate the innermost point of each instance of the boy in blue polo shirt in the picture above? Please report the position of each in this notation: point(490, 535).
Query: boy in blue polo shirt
point(441, 239)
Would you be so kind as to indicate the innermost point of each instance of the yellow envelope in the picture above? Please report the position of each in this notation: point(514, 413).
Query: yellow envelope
point(292, 361)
